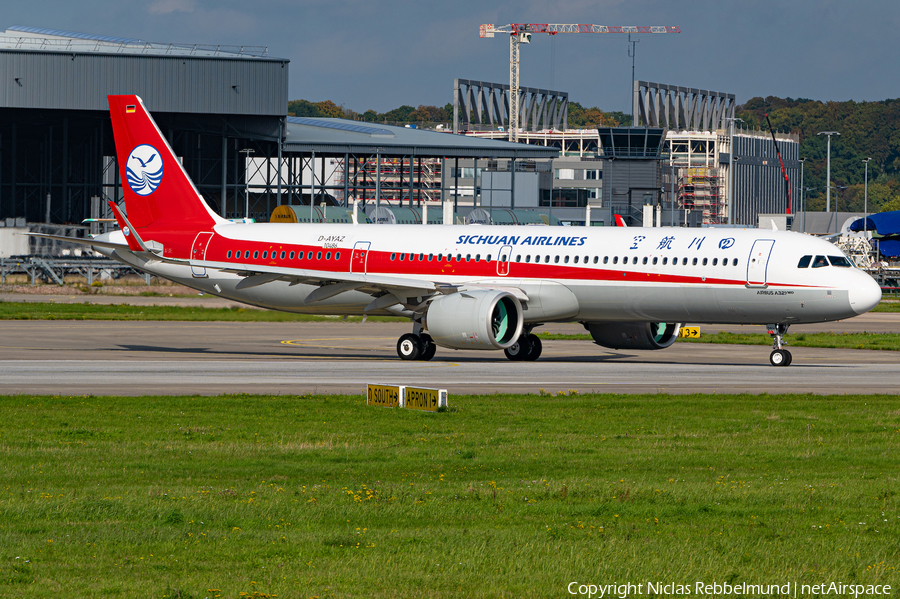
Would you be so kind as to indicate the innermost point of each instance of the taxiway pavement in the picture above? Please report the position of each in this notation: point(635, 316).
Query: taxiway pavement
point(136, 358)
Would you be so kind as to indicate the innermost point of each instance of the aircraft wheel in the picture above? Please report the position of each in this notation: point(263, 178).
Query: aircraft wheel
point(780, 357)
point(536, 348)
point(409, 347)
point(429, 349)
point(519, 350)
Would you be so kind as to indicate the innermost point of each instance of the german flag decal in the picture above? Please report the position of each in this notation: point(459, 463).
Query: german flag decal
point(130, 108)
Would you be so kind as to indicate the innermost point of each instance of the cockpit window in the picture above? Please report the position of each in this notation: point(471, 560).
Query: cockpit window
point(819, 262)
point(840, 261)
point(804, 262)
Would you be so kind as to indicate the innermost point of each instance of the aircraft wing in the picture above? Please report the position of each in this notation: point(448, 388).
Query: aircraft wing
point(386, 290)
point(80, 241)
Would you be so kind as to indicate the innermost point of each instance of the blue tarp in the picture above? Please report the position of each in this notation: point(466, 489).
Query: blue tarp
point(884, 223)
point(889, 247)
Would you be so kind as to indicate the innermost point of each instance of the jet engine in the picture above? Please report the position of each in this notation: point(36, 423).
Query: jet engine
point(633, 335)
point(486, 319)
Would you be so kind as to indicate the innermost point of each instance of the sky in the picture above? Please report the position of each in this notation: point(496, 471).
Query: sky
point(381, 54)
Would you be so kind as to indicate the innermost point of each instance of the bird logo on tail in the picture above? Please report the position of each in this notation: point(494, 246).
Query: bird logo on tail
point(144, 169)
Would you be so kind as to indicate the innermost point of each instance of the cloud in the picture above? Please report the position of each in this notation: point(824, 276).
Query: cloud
point(164, 7)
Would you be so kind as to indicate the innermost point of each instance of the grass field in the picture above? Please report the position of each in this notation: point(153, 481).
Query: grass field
point(88, 311)
point(503, 496)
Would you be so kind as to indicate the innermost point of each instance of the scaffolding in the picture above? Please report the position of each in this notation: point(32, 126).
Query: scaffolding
point(699, 188)
point(402, 179)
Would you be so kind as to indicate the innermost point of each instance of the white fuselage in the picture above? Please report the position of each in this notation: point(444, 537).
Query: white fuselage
point(728, 276)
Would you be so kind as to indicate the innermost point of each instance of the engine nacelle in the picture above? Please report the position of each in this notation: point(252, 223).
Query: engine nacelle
point(475, 320)
point(633, 335)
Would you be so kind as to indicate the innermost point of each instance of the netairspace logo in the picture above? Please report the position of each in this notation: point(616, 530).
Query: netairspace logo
point(144, 170)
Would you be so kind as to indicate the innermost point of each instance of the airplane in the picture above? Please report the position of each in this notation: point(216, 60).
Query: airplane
point(479, 287)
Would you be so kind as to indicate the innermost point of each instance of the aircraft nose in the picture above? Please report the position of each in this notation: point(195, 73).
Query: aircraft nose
point(864, 294)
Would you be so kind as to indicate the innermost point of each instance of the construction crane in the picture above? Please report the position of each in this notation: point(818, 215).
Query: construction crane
point(520, 33)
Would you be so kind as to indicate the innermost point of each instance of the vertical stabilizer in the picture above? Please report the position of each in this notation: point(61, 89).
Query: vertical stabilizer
point(159, 195)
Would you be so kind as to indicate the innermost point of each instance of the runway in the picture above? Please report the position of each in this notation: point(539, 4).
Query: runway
point(137, 358)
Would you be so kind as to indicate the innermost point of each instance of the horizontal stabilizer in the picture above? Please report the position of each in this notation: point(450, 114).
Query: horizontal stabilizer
point(79, 240)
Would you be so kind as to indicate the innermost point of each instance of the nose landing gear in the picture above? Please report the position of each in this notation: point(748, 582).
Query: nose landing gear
point(779, 355)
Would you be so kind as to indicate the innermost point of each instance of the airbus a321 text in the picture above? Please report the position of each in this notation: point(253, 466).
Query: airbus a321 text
point(475, 287)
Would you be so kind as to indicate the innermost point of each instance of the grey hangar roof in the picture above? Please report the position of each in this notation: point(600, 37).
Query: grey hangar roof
point(343, 136)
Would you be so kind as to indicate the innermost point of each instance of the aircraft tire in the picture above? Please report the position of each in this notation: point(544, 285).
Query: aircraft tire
point(780, 357)
point(429, 349)
point(409, 347)
point(536, 348)
point(519, 350)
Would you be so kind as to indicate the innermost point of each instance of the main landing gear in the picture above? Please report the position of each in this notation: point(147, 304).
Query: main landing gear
point(779, 355)
point(416, 347)
point(527, 348)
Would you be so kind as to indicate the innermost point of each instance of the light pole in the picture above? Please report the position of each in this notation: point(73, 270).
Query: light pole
point(731, 169)
point(802, 160)
point(246, 152)
point(866, 198)
point(803, 191)
point(842, 188)
point(828, 175)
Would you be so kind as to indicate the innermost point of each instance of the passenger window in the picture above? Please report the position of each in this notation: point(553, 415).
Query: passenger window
point(734, 262)
point(282, 255)
point(665, 260)
point(394, 255)
point(459, 257)
point(566, 260)
point(488, 258)
point(586, 259)
point(528, 258)
point(804, 262)
point(291, 256)
point(715, 261)
point(634, 260)
point(705, 260)
point(228, 254)
point(468, 257)
point(421, 257)
point(265, 254)
point(328, 256)
point(840, 261)
point(694, 262)
point(519, 258)
point(605, 259)
point(615, 259)
point(309, 255)
point(596, 259)
point(319, 256)
point(430, 257)
point(440, 257)
point(655, 260)
point(644, 261)
point(255, 254)
point(576, 259)
point(556, 260)
point(684, 261)
point(246, 253)
point(402, 257)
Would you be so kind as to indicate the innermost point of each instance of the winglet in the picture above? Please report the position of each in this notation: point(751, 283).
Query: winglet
point(135, 243)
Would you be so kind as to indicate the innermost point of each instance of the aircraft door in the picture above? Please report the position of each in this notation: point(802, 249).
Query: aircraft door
point(198, 252)
point(503, 260)
point(758, 262)
point(359, 256)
